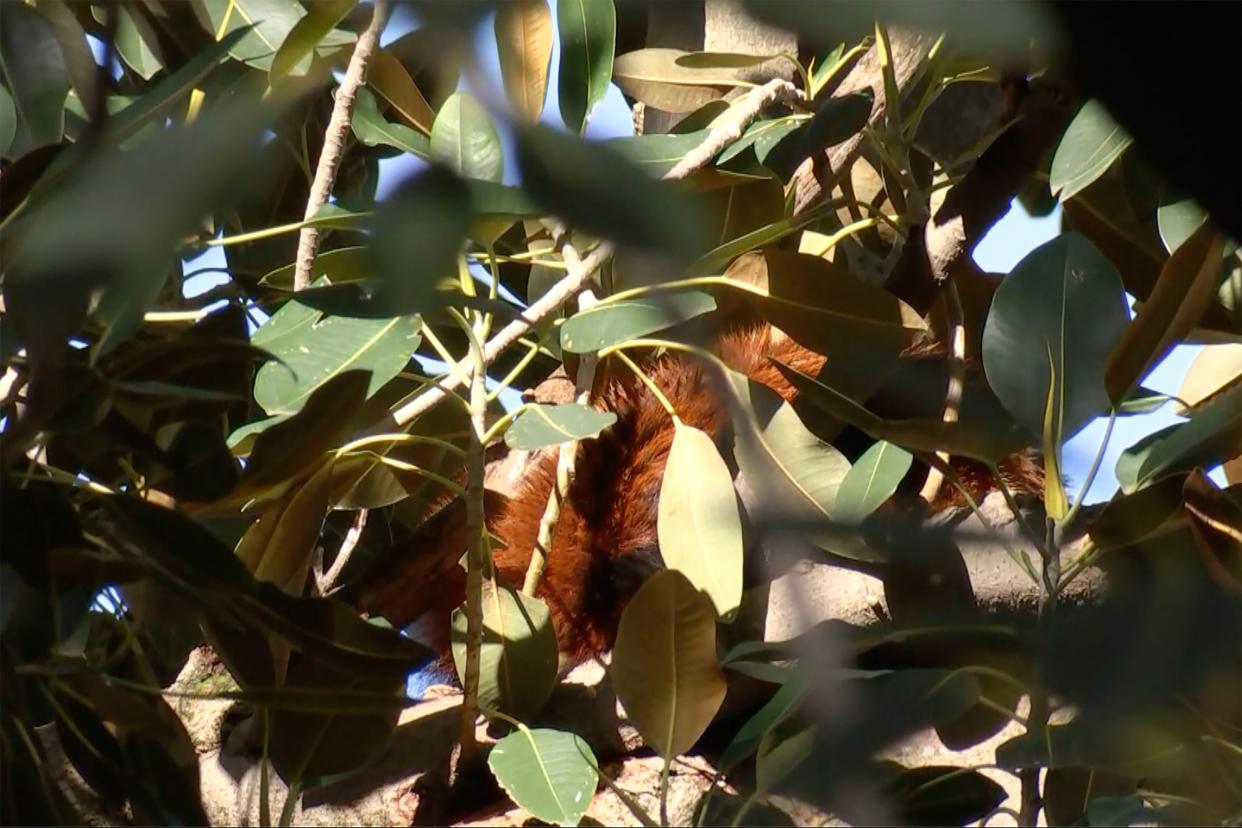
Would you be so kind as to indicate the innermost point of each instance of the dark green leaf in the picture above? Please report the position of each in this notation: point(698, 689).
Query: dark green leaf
point(132, 43)
point(345, 264)
point(943, 796)
point(35, 75)
point(371, 128)
point(870, 481)
point(269, 23)
point(588, 36)
point(306, 35)
point(783, 704)
point(1091, 144)
point(657, 153)
point(1212, 435)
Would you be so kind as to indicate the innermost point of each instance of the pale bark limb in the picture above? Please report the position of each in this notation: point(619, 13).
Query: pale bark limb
point(334, 138)
point(957, 381)
point(733, 123)
point(343, 555)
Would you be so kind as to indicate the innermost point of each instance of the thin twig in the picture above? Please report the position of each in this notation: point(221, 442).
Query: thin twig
point(348, 545)
point(334, 138)
point(957, 381)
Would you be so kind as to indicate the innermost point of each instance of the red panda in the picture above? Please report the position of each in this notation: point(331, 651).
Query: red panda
point(605, 542)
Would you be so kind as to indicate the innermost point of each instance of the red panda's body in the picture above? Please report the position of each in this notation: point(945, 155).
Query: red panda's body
point(605, 542)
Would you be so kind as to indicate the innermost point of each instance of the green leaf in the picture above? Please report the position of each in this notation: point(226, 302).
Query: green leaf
point(1211, 436)
point(464, 138)
point(8, 121)
point(550, 425)
point(839, 119)
point(306, 35)
point(132, 45)
point(549, 773)
point(314, 348)
point(1064, 301)
point(790, 472)
point(762, 135)
point(657, 153)
point(783, 704)
point(664, 664)
point(388, 76)
point(871, 481)
point(721, 60)
point(600, 192)
point(782, 750)
point(524, 39)
point(518, 661)
point(1092, 142)
point(1186, 287)
point(345, 264)
point(1178, 220)
point(825, 67)
point(269, 23)
point(610, 323)
point(655, 77)
point(588, 30)
point(699, 524)
point(373, 129)
point(34, 71)
point(943, 795)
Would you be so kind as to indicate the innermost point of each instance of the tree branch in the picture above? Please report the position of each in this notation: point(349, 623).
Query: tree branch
point(334, 138)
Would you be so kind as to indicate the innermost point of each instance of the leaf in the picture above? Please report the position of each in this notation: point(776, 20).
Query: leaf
point(870, 481)
point(34, 72)
point(786, 473)
point(1212, 434)
point(657, 153)
point(344, 264)
point(289, 531)
point(1177, 220)
point(783, 750)
point(387, 76)
point(373, 129)
point(721, 60)
point(655, 77)
point(518, 661)
point(314, 348)
point(783, 704)
point(131, 43)
point(600, 192)
point(1214, 369)
point(1090, 145)
point(548, 773)
point(524, 39)
point(664, 663)
point(306, 35)
point(550, 425)
point(8, 121)
point(588, 30)
point(1063, 302)
point(464, 138)
point(943, 795)
point(762, 135)
point(269, 23)
point(1187, 285)
point(839, 119)
point(418, 235)
point(1129, 518)
point(610, 323)
point(699, 524)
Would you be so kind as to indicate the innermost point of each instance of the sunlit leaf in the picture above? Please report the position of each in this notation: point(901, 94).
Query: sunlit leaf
point(1090, 145)
point(664, 664)
point(306, 35)
point(588, 39)
point(464, 138)
point(1214, 369)
point(387, 76)
point(762, 135)
point(1213, 434)
point(549, 773)
point(345, 264)
point(655, 77)
point(657, 153)
point(1187, 285)
point(517, 667)
point(699, 524)
point(272, 21)
point(611, 323)
point(524, 42)
point(871, 480)
point(1178, 220)
point(550, 425)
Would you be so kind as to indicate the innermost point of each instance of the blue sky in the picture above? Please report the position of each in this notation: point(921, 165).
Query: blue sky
point(1004, 246)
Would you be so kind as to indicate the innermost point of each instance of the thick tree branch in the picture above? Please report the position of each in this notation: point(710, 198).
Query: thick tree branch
point(334, 138)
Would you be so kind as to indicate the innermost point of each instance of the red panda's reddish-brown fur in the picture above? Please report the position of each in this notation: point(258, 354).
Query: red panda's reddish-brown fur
point(605, 542)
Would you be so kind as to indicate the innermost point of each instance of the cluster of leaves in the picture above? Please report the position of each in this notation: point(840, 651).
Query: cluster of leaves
point(197, 464)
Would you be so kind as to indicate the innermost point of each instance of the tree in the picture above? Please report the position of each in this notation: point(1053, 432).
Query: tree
point(231, 474)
